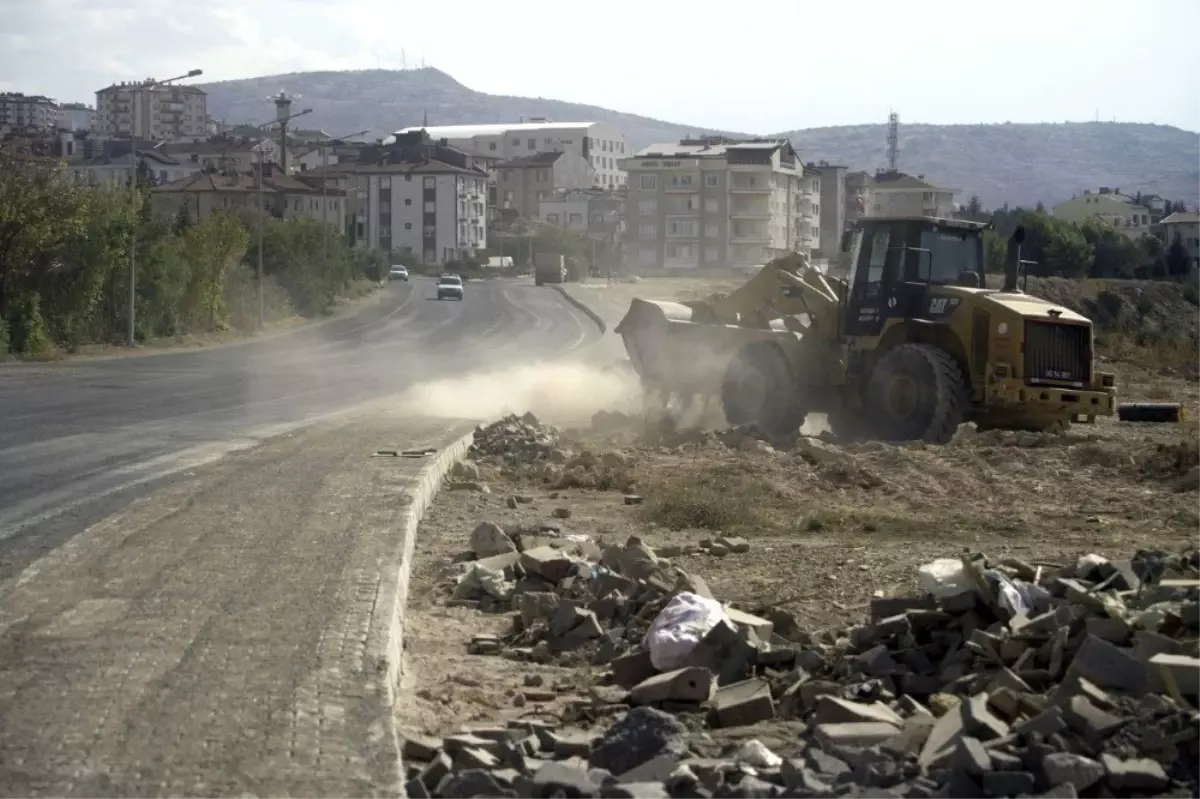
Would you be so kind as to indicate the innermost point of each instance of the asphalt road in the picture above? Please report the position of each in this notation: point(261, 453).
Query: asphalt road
point(80, 439)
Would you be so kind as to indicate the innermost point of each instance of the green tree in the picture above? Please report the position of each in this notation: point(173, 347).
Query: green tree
point(1178, 259)
point(1058, 247)
point(974, 208)
point(995, 251)
point(1114, 255)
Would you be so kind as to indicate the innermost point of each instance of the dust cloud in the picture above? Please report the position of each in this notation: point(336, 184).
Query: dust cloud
point(561, 393)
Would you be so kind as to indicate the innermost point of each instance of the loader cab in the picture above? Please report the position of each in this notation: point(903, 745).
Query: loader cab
point(897, 263)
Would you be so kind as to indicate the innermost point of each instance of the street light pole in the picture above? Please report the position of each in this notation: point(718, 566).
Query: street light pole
point(262, 303)
point(133, 94)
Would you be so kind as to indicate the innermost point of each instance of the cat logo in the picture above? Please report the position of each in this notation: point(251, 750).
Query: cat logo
point(937, 306)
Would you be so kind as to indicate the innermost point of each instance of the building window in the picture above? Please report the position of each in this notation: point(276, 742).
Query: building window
point(552, 218)
point(408, 201)
point(712, 180)
point(385, 182)
point(506, 175)
point(681, 180)
point(516, 142)
point(430, 182)
point(576, 219)
point(712, 230)
point(648, 231)
point(543, 195)
point(540, 177)
point(681, 227)
point(408, 178)
point(649, 182)
point(711, 205)
point(647, 207)
point(681, 250)
point(532, 144)
point(408, 225)
point(492, 146)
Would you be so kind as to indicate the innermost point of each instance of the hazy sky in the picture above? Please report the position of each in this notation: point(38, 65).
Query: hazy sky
point(760, 68)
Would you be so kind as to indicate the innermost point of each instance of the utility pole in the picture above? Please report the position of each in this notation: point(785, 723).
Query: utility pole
point(133, 95)
point(262, 303)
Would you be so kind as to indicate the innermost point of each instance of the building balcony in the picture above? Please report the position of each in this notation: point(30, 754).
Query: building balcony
point(750, 238)
point(694, 188)
point(738, 188)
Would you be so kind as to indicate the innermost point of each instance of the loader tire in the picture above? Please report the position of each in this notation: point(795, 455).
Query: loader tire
point(758, 389)
point(917, 392)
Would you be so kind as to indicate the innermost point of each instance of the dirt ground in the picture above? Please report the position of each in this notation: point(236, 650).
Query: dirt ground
point(826, 534)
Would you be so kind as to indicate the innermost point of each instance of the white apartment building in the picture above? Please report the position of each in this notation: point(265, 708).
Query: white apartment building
point(76, 116)
point(158, 112)
point(598, 143)
point(715, 202)
point(24, 112)
point(430, 209)
point(1109, 206)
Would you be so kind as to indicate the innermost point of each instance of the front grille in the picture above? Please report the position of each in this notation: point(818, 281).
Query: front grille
point(1058, 353)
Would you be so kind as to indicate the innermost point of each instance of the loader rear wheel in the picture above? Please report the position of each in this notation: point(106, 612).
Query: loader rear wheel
point(758, 389)
point(917, 392)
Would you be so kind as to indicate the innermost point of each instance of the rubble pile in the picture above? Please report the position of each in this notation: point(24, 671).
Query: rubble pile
point(998, 679)
point(515, 440)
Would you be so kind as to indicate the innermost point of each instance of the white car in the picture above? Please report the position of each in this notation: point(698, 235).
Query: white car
point(450, 286)
point(398, 272)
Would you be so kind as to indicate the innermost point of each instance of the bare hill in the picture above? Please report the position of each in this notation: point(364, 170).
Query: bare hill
point(1018, 164)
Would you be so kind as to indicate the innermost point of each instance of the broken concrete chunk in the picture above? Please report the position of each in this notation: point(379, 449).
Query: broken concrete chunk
point(761, 627)
point(1109, 666)
point(547, 562)
point(633, 668)
point(488, 540)
point(855, 734)
point(834, 710)
point(682, 685)
point(1080, 771)
point(743, 703)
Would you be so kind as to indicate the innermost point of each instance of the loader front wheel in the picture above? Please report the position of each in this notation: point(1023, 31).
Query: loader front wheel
point(758, 389)
point(916, 392)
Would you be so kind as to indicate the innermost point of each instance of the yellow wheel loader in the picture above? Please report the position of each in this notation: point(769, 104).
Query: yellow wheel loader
point(906, 348)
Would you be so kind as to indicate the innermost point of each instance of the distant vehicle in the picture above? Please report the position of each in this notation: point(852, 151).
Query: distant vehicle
point(450, 287)
point(549, 268)
point(398, 272)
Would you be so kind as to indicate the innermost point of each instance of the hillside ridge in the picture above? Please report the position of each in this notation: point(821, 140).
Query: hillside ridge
point(1014, 163)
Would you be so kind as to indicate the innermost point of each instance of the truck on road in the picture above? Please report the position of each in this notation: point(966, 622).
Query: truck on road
point(549, 268)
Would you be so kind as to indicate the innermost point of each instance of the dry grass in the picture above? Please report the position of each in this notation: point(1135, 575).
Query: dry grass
point(731, 496)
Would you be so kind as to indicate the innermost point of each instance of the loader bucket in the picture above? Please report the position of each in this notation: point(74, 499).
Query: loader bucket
point(675, 354)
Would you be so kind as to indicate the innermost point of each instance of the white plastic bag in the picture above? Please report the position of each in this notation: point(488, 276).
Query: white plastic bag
point(944, 577)
point(679, 626)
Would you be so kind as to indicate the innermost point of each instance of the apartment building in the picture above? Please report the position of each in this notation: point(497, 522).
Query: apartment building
point(831, 218)
point(1184, 227)
point(599, 144)
point(596, 213)
point(1109, 206)
point(420, 197)
point(896, 194)
point(523, 183)
point(224, 152)
point(716, 202)
point(283, 196)
point(156, 112)
point(112, 168)
point(27, 112)
point(76, 117)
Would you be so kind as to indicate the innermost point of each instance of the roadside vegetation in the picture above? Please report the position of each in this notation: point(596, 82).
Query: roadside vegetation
point(65, 255)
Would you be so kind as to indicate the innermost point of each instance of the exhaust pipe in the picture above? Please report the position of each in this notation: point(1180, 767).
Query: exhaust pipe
point(1012, 261)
